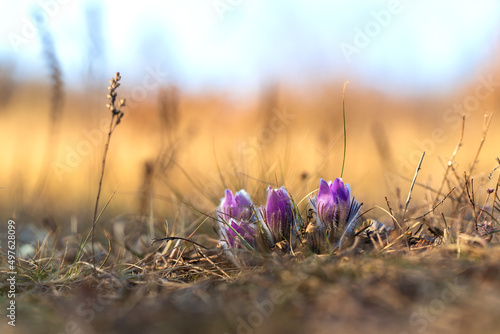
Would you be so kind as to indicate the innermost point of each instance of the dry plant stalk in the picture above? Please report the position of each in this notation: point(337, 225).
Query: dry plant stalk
point(495, 197)
point(408, 199)
point(451, 161)
point(486, 126)
point(116, 116)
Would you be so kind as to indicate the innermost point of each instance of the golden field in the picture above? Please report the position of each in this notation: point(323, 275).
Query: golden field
point(200, 144)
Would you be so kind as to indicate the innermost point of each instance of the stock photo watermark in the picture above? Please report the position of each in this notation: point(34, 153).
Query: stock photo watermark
point(248, 151)
point(483, 90)
point(277, 124)
point(29, 26)
point(420, 320)
point(86, 312)
point(221, 7)
point(12, 273)
point(264, 309)
point(363, 36)
point(453, 115)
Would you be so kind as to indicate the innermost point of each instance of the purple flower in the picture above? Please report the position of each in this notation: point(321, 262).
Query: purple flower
point(237, 207)
point(234, 219)
point(336, 210)
point(238, 230)
point(278, 215)
point(333, 202)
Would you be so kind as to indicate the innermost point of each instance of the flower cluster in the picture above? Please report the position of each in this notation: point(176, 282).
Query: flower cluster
point(330, 223)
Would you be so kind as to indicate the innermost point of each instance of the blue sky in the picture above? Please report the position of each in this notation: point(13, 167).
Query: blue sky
point(239, 44)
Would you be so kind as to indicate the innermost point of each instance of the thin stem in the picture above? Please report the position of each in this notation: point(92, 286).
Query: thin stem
point(495, 196)
point(450, 162)
point(345, 132)
point(435, 206)
point(103, 166)
point(411, 188)
point(487, 122)
point(178, 238)
point(486, 127)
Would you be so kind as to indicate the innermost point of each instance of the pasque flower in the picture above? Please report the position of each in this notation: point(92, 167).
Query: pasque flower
point(235, 206)
point(277, 216)
point(333, 201)
point(336, 210)
point(238, 230)
point(234, 219)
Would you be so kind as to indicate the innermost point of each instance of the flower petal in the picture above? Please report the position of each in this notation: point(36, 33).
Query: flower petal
point(238, 230)
point(279, 214)
point(325, 203)
point(340, 190)
point(244, 203)
point(237, 207)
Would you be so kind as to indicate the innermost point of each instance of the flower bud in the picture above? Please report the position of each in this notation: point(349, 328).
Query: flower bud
point(237, 207)
point(279, 216)
point(337, 210)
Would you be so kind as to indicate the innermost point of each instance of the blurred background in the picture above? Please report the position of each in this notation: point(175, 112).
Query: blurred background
point(231, 94)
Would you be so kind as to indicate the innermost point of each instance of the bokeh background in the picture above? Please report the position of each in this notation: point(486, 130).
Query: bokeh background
point(231, 94)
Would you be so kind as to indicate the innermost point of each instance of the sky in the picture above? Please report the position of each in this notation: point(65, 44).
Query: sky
point(417, 46)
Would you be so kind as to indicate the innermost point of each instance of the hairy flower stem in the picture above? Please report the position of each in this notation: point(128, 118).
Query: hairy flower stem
point(345, 132)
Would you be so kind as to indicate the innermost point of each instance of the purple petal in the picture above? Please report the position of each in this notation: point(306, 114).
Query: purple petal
point(244, 231)
point(325, 193)
point(342, 202)
point(237, 207)
point(340, 190)
point(279, 214)
point(273, 206)
point(242, 198)
point(244, 204)
point(325, 203)
point(229, 197)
